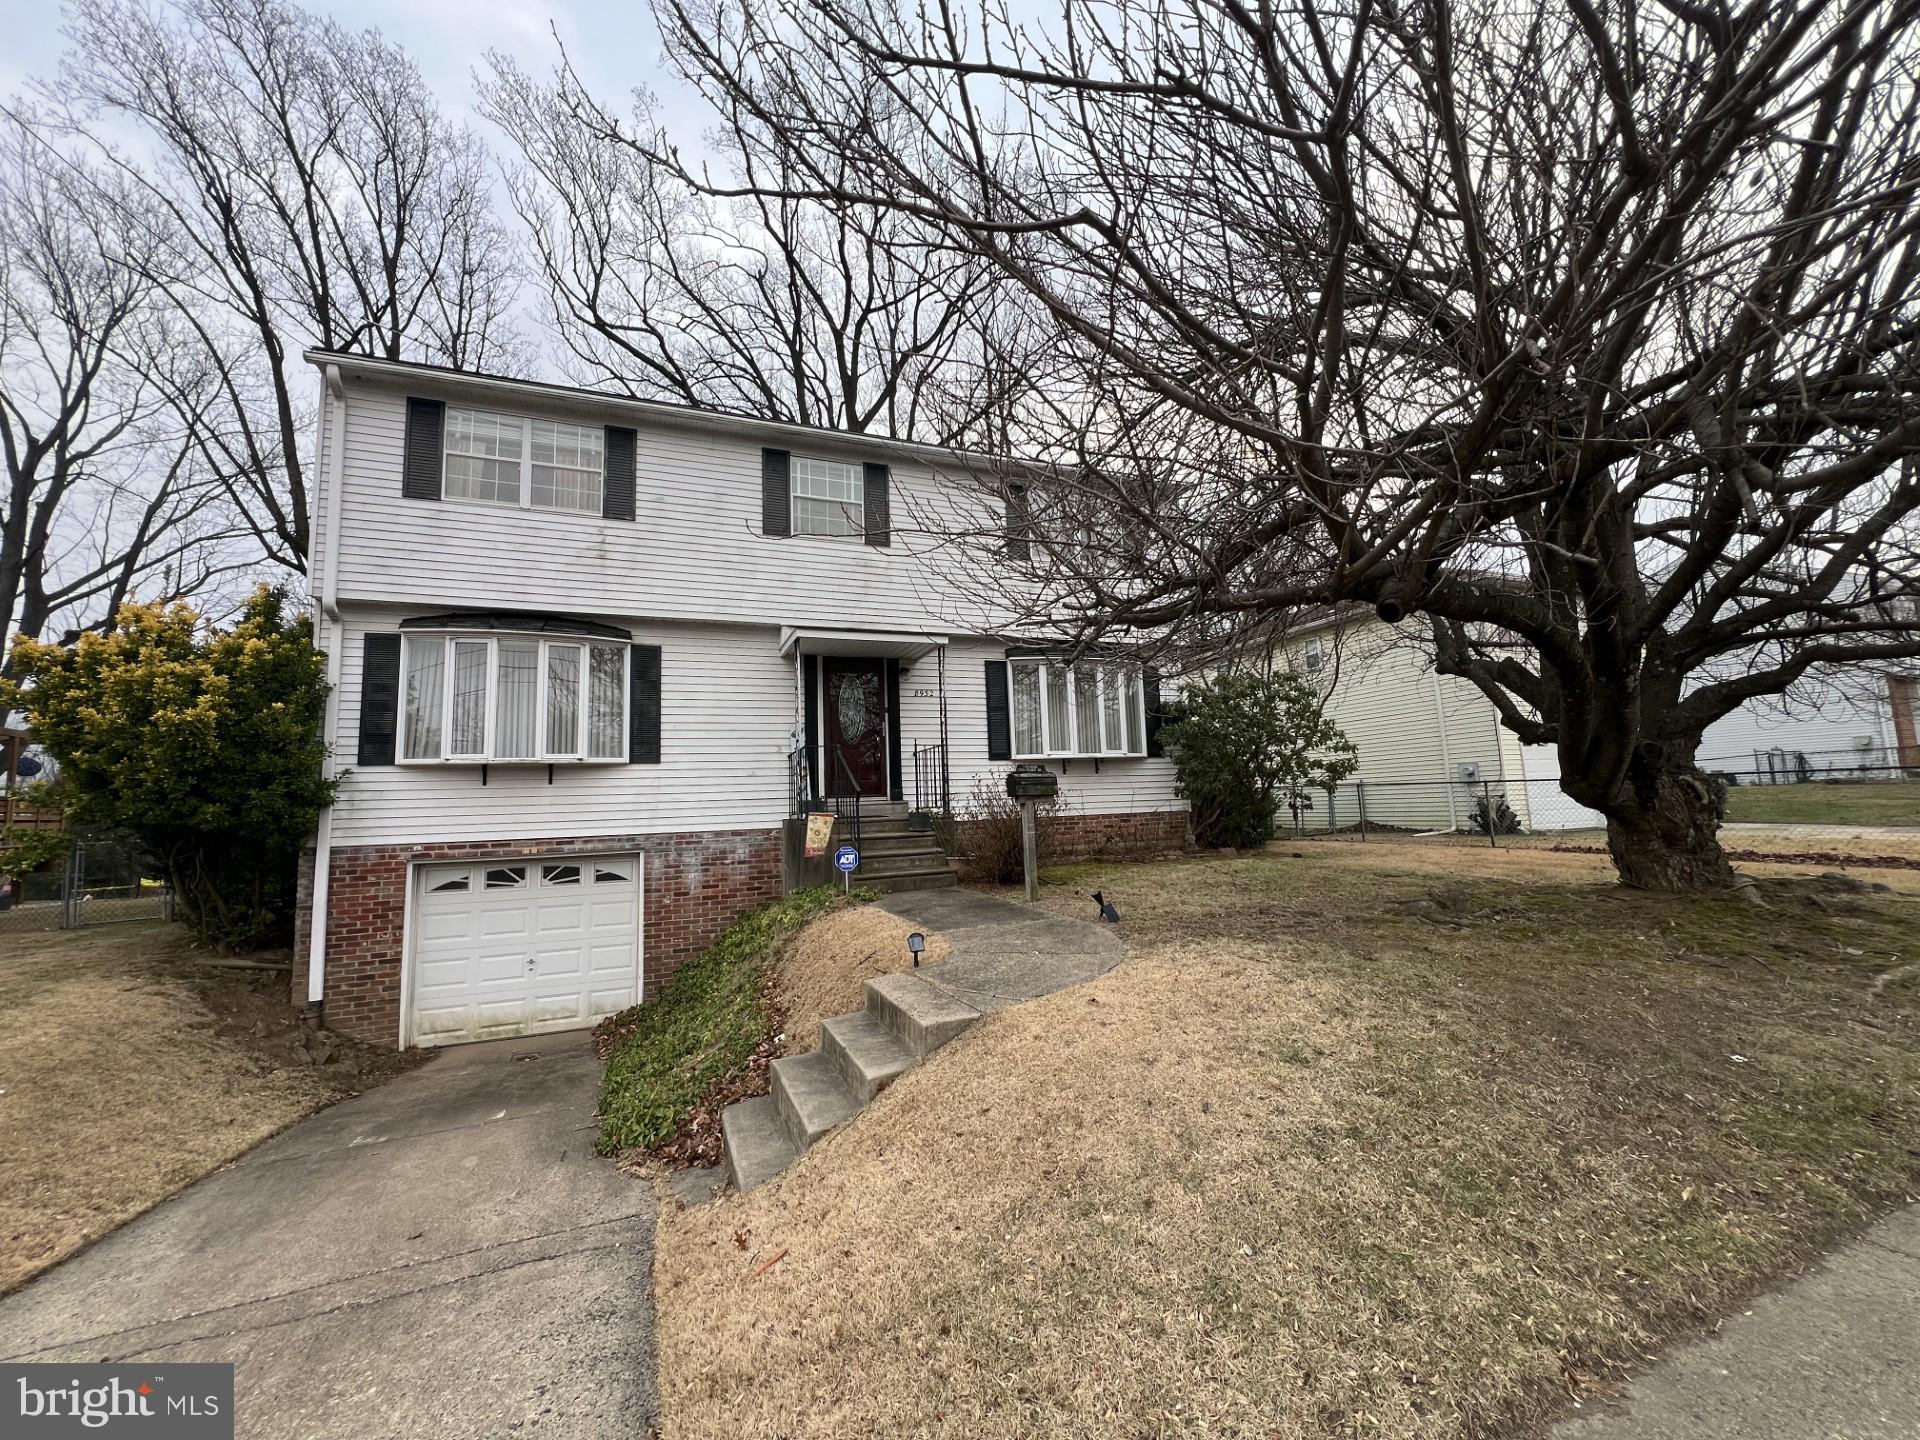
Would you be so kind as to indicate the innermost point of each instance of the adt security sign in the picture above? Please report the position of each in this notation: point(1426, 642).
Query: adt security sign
point(847, 859)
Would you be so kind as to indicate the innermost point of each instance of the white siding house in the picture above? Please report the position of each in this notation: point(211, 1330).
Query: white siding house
point(1427, 742)
point(589, 656)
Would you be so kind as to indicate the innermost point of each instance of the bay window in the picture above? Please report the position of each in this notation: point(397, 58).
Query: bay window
point(482, 698)
point(1091, 709)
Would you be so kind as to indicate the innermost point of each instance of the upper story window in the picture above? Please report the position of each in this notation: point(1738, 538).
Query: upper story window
point(478, 698)
point(1313, 654)
point(1067, 711)
point(533, 464)
point(828, 498)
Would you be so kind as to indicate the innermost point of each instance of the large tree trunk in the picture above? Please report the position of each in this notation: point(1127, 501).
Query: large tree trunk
point(1663, 830)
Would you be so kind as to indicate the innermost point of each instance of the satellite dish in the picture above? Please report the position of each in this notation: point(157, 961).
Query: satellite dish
point(27, 765)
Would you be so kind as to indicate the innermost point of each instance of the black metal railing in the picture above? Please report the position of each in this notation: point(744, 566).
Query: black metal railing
point(930, 786)
point(799, 788)
point(846, 801)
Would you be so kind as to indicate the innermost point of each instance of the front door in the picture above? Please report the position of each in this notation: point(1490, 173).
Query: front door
point(854, 697)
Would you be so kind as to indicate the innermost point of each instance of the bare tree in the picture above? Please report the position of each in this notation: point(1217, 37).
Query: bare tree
point(821, 314)
point(1584, 328)
point(105, 497)
point(312, 193)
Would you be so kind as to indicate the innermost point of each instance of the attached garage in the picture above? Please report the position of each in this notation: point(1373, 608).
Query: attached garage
point(514, 947)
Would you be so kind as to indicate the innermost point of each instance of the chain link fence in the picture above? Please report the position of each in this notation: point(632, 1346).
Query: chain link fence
point(1862, 816)
point(102, 879)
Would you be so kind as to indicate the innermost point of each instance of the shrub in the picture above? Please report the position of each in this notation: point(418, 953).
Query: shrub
point(702, 1028)
point(1495, 819)
point(1241, 739)
point(204, 745)
point(983, 833)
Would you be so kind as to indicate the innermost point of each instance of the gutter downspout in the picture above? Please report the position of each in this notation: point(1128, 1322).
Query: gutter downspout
point(1446, 751)
point(330, 626)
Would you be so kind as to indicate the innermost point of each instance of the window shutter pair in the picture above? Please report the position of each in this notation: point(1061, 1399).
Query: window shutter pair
point(380, 701)
point(424, 462)
point(776, 498)
point(1000, 712)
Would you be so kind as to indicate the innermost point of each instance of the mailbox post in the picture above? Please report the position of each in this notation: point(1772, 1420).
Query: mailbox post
point(1029, 784)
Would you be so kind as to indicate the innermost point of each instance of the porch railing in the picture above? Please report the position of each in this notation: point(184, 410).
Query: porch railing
point(930, 784)
point(799, 788)
point(846, 801)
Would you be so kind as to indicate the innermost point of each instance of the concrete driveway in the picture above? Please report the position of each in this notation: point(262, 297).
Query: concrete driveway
point(443, 1256)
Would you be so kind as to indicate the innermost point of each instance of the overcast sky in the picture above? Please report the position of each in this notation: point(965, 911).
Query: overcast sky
point(613, 43)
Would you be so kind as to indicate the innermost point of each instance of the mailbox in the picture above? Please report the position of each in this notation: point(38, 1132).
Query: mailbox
point(1032, 783)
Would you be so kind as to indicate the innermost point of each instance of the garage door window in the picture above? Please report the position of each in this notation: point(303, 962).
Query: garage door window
point(560, 874)
point(507, 877)
point(444, 881)
point(611, 874)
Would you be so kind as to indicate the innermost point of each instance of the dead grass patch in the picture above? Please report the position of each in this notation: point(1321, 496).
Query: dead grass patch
point(1309, 1163)
point(126, 1073)
point(824, 971)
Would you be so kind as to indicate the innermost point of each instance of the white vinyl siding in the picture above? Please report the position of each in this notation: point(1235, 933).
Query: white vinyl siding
point(500, 687)
point(698, 559)
point(829, 498)
point(1090, 710)
point(727, 715)
point(536, 464)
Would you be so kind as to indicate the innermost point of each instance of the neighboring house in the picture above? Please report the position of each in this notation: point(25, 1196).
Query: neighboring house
point(1429, 744)
point(589, 655)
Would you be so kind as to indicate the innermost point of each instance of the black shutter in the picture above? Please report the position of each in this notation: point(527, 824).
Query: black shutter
point(895, 790)
point(776, 492)
point(643, 706)
point(379, 698)
point(999, 713)
point(616, 496)
point(1154, 747)
point(426, 435)
point(810, 690)
point(879, 508)
point(1019, 523)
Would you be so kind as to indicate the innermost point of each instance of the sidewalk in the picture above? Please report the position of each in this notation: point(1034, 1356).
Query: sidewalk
point(1832, 1355)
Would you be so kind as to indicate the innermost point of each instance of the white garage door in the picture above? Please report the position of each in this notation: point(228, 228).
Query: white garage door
point(510, 947)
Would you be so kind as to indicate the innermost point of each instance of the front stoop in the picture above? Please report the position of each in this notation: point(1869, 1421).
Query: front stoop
point(895, 857)
point(1003, 954)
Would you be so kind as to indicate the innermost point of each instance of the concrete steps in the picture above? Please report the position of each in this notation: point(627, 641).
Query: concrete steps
point(860, 1054)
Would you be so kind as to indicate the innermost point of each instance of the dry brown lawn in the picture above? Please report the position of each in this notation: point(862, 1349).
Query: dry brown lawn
point(122, 1079)
point(1383, 1142)
point(824, 971)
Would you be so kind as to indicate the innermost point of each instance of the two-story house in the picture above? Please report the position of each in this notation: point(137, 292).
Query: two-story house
point(589, 655)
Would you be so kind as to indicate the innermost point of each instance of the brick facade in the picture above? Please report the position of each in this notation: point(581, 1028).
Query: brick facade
point(1102, 837)
point(696, 884)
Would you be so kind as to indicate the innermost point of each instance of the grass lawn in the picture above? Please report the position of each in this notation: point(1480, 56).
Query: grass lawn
point(1818, 803)
point(128, 1072)
point(1383, 1141)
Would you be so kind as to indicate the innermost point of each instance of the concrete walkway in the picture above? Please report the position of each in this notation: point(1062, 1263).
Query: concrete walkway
point(1004, 953)
point(1833, 1355)
point(442, 1256)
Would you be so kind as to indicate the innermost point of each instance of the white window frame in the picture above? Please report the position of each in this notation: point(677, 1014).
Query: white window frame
point(1059, 733)
point(855, 510)
point(1313, 654)
point(544, 755)
point(525, 424)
